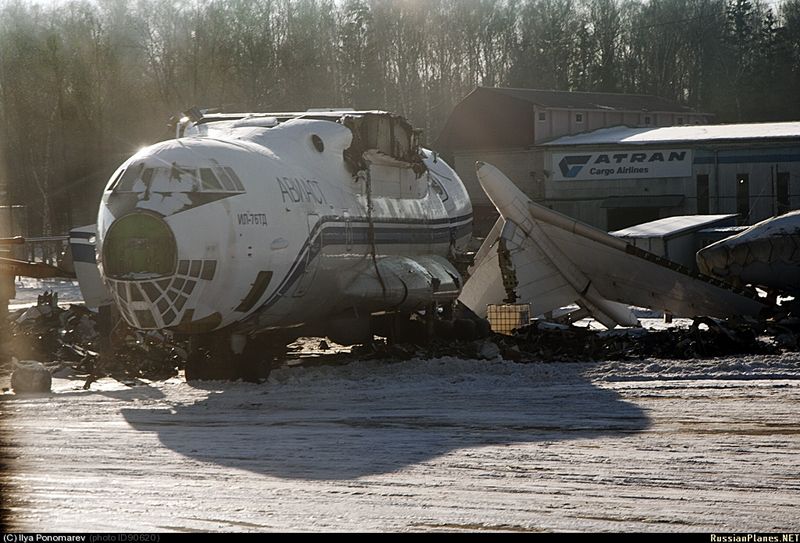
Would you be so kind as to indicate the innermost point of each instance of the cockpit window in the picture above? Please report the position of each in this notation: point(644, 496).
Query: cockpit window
point(223, 177)
point(147, 176)
point(210, 181)
point(177, 178)
point(128, 178)
point(234, 178)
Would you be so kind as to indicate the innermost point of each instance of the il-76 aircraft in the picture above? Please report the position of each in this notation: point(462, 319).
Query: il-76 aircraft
point(249, 230)
point(270, 226)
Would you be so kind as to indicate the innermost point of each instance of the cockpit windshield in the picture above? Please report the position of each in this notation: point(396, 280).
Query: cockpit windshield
point(177, 178)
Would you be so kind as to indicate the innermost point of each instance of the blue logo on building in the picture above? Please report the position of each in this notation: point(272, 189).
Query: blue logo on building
point(571, 165)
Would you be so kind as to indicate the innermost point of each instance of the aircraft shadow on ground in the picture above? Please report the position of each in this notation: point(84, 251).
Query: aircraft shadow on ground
point(346, 432)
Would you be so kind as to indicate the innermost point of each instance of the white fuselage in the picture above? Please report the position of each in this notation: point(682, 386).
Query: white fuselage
point(766, 254)
point(264, 227)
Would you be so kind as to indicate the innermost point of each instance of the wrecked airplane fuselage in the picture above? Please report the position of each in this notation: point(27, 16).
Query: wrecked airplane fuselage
point(766, 254)
point(303, 223)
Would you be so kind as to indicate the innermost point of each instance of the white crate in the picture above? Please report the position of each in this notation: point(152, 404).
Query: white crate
point(504, 318)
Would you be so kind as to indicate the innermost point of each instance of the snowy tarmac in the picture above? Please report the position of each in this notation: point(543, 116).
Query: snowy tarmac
point(445, 444)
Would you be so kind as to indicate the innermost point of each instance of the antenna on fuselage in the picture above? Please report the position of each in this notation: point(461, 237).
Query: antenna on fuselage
point(191, 115)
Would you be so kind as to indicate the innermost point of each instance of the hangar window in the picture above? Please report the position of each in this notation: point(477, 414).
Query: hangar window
point(702, 194)
point(647, 119)
point(579, 117)
point(542, 116)
point(439, 189)
point(743, 197)
point(782, 195)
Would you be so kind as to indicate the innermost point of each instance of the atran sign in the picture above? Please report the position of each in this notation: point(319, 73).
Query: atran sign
point(622, 165)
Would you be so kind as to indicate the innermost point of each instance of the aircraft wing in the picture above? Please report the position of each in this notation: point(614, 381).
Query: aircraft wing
point(550, 260)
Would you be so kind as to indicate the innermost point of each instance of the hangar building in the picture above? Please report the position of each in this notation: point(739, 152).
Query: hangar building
point(616, 177)
point(630, 159)
point(503, 126)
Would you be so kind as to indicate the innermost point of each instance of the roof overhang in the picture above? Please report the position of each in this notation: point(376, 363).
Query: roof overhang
point(666, 200)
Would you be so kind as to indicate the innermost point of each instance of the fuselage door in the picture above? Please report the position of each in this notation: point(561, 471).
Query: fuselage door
point(438, 187)
point(312, 255)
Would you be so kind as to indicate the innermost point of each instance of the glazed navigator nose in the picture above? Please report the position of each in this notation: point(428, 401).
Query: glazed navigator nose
point(139, 246)
point(151, 286)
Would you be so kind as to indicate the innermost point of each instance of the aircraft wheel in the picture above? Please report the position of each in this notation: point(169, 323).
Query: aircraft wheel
point(259, 357)
point(252, 367)
point(210, 358)
point(404, 329)
point(195, 369)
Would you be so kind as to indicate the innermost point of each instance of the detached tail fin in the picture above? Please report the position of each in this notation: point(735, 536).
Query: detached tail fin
point(556, 260)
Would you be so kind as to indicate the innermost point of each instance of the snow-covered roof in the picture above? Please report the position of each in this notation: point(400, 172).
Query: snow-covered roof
point(670, 226)
point(625, 135)
point(590, 100)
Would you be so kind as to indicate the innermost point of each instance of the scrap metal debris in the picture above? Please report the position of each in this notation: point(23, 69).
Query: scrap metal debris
point(69, 338)
point(543, 341)
point(30, 376)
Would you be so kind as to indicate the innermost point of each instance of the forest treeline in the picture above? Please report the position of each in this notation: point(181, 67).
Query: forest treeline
point(83, 83)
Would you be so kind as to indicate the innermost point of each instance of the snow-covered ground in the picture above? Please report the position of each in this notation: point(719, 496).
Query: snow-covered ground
point(444, 444)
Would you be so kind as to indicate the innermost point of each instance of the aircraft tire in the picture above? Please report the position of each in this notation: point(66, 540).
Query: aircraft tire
point(210, 359)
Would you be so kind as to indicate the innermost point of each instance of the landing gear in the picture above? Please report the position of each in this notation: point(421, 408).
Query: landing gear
point(399, 328)
point(445, 322)
point(229, 357)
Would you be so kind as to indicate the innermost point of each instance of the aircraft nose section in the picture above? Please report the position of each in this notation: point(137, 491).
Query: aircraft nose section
point(714, 260)
point(139, 246)
point(155, 281)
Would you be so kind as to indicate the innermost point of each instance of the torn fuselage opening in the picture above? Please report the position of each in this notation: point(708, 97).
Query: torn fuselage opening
point(388, 134)
point(507, 271)
point(139, 245)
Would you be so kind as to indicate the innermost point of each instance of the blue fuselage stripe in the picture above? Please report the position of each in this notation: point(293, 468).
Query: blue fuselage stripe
point(413, 232)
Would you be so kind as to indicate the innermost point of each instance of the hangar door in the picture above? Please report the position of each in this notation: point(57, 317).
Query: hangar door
point(625, 211)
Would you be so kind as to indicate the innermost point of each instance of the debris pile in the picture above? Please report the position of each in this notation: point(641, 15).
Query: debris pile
point(543, 341)
point(60, 338)
point(705, 338)
point(70, 338)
